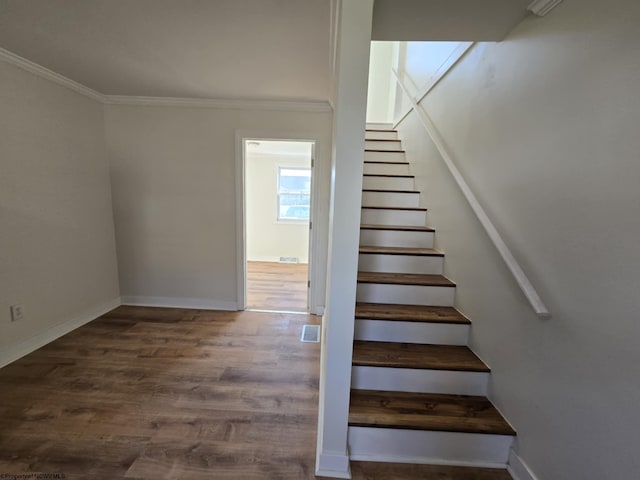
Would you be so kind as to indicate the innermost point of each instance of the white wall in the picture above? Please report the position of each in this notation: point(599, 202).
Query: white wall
point(173, 174)
point(57, 249)
point(349, 121)
point(267, 238)
point(382, 85)
point(544, 128)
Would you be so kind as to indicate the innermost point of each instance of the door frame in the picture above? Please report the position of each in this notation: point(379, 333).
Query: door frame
point(314, 305)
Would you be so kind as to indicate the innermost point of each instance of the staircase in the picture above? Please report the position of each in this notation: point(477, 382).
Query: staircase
point(418, 392)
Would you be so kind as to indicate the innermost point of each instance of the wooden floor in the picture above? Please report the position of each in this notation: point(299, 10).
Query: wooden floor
point(277, 286)
point(151, 393)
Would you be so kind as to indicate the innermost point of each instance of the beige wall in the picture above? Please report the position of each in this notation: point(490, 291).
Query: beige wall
point(57, 249)
point(544, 126)
point(174, 187)
point(267, 238)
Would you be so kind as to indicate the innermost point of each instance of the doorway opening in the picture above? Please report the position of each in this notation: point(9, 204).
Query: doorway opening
point(278, 184)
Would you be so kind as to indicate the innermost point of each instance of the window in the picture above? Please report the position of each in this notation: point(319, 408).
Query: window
point(294, 193)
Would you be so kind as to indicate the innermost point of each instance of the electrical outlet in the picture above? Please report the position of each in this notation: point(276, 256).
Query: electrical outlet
point(17, 313)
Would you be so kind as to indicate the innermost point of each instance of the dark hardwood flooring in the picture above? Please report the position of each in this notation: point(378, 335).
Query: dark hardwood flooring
point(155, 393)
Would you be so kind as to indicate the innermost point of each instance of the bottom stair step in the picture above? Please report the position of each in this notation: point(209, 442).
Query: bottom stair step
point(426, 411)
point(394, 471)
point(427, 428)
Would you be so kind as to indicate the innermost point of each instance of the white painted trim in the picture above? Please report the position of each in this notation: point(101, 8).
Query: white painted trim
point(517, 272)
point(443, 69)
point(179, 302)
point(422, 461)
point(542, 7)
point(13, 353)
point(42, 72)
point(518, 469)
point(312, 106)
point(315, 302)
point(333, 465)
point(402, 117)
point(222, 103)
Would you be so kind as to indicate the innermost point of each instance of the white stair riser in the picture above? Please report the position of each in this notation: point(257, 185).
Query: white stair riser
point(388, 183)
point(386, 168)
point(411, 332)
point(374, 262)
point(405, 294)
point(382, 145)
point(424, 446)
point(396, 238)
point(413, 218)
point(379, 126)
point(382, 135)
point(384, 157)
point(419, 380)
point(390, 199)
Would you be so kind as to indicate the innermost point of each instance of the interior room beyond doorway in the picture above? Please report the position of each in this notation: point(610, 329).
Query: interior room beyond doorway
point(278, 210)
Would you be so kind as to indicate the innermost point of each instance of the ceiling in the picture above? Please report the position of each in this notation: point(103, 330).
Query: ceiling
point(446, 20)
point(248, 49)
point(222, 49)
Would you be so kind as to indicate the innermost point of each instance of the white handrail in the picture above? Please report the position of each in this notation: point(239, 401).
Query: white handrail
point(517, 272)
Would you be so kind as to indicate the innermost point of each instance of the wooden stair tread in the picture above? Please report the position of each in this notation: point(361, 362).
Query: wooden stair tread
point(413, 471)
point(413, 209)
point(410, 313)
point(380, 130)
point(385, 151)
point(386, 175)
point(399, 228)
point(382, 140)
point(426, 411)
point(382, 190)
point(423, 252)
point(426, 280)
point(417, 356)
point(382, 162)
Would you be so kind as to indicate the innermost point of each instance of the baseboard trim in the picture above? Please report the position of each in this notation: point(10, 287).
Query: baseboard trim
point(518, 469)
point(333, 465)
point(179, 302)
point(269, 259)
point(41, 339)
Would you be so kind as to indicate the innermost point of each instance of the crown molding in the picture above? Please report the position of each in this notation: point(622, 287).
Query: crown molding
point(43, 72)
point(542, 7)
point(222, 103)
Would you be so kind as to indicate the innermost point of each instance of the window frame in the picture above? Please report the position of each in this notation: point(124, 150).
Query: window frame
point(279, 194)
